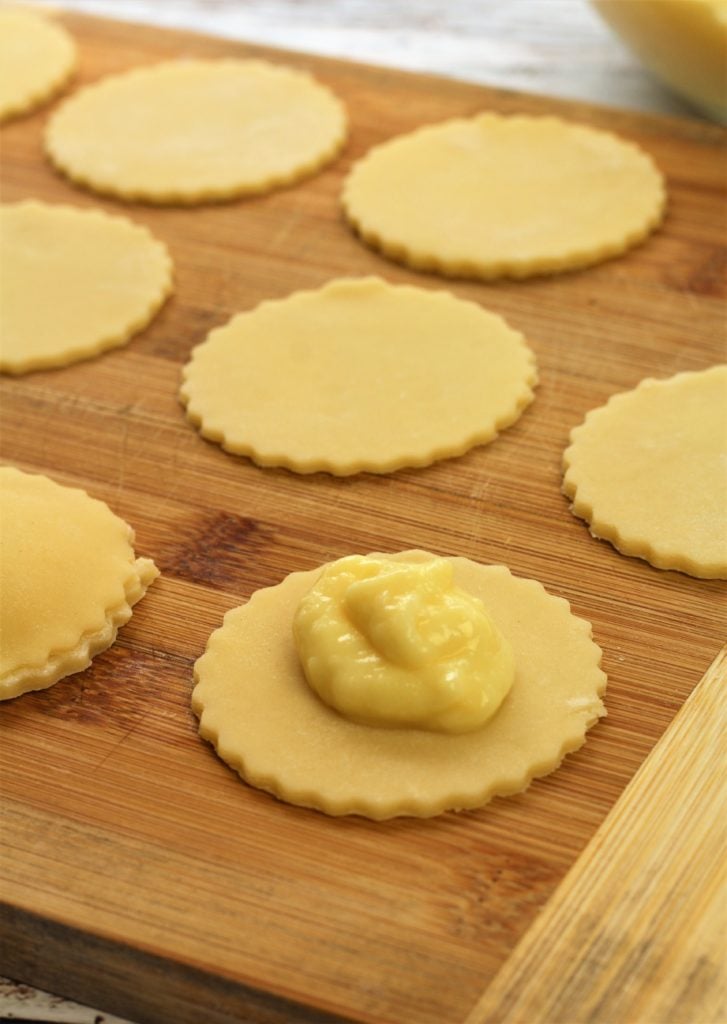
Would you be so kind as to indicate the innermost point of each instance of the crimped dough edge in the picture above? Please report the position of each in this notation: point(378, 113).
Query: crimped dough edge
point(60, 664)
point(272, 458)
point(114, 339)
point(202, 195)
point(135, 576)
point(629, 544)
point(399, 251)
point(212, 729)
point(38, 96)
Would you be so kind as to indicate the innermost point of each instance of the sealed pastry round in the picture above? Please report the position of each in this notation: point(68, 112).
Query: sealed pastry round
point(494, 196)
point(359, 375)
point(648, 472)
point(193, 131)
point(74, 283)
point(37, 57)
point(257, 709)
point(68, 580)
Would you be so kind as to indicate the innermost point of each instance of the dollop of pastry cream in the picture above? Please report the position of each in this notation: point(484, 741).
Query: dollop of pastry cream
point(397, 644)
point(398, 684)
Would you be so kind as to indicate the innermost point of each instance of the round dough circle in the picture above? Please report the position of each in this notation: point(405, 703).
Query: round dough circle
point(36, 60)
point(74, 283)
point(495, 196)
point(359, 375)
point(68, 579)
point(196, 131)
point(256, 708)
point(648, 471)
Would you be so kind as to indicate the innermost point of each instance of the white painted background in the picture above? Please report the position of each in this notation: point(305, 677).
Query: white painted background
point(553, 47)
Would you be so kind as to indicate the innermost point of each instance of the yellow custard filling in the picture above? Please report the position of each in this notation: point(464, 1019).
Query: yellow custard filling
point(396, 644)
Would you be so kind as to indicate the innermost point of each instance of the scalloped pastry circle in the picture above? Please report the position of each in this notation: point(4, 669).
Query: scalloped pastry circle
point(68, 580)
point(74, 283)
point(256, 708)
point(648, 472)
point(495, 196)
point(195, 131)
point(359, 375)
point(37, 57)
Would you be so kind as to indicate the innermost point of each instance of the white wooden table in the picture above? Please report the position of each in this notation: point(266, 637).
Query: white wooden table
point(553, 47)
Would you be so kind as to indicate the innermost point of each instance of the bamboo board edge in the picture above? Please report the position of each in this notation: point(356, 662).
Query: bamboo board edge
point(633, 931)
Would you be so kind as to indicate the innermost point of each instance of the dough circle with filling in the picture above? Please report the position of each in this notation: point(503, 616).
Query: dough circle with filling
point(264, 720)
point(648, 472)
point(494, 196)
point(194, 131)
point(68, 580)
point(74, 282)
point(358, 376)
point(37, 58)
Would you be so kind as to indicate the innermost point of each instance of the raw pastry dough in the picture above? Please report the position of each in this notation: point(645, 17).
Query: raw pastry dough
point(68, 579)
point(193, 131)
point(648, 471)
point(265, 721)
point(74, 282)
point(36, 60)
point(359, 375)
point(496, 196)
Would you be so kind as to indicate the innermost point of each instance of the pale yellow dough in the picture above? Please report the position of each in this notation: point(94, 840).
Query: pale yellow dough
point(265, 721)
point(68, 580)
point(74, 283)
point(359, 375)
point(648, 471)
point(36, 60)
point(193, 131)
point(494, 196)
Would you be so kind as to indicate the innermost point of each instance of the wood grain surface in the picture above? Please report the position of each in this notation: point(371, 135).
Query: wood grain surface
point(139, 874)
point(636, 930)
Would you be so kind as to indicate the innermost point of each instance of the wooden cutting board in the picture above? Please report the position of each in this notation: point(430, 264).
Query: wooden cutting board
point(139, 873)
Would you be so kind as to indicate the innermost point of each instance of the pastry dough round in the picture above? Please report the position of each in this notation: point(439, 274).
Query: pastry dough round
point(36, 60)
point(192, 131)
point(74, 283)
point(256, 707)
point(68, 579)
point(359, 375)
point(495, 196)
point(648, 471)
